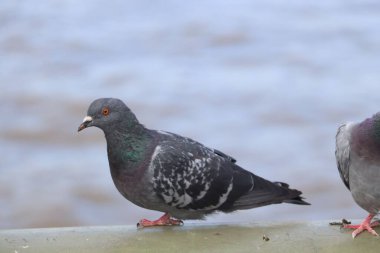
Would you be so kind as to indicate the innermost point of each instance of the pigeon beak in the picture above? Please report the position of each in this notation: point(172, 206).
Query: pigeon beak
point(86, 121)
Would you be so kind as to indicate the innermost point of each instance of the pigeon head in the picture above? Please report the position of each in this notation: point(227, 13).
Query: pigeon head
point(108, 113)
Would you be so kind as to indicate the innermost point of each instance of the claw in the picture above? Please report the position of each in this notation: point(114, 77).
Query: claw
point(165, 220)
point(365, 225)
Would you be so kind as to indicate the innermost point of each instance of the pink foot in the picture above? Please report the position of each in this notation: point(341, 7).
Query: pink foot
point(365, 225)
point(164, 220)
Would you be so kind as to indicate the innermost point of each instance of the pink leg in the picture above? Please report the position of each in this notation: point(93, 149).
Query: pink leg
point(365, 225)
point(164, 220)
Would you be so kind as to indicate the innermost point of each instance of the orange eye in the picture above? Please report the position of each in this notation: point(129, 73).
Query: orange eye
point(105, 111)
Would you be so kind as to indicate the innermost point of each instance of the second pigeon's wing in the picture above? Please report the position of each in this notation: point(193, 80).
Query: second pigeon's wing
point(342, 152)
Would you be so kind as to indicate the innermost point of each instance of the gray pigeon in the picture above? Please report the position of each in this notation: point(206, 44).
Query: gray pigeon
point(166, 172)
point(358, 159)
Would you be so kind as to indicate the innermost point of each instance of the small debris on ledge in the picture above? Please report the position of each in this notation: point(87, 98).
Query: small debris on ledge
point(340, 223)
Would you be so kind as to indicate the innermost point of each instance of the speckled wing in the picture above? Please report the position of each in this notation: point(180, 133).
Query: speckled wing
point(342, 151)
point(188, 175)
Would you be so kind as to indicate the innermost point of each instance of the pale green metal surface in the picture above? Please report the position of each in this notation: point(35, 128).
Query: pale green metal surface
point(280, 237)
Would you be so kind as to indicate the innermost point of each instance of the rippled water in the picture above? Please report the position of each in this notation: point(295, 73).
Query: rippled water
point(266, 82)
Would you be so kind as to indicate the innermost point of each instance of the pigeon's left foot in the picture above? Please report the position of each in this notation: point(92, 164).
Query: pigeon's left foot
point(365, 225)
point(165, 220)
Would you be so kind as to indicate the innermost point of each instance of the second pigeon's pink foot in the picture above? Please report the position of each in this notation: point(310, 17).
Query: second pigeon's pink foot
point(365, 225)
point(164, 220)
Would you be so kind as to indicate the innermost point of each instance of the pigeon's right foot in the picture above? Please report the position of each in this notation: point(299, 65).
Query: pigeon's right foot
point(165, 220)
point(365, 225)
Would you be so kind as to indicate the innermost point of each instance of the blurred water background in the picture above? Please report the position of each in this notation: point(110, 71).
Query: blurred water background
point(267, 82)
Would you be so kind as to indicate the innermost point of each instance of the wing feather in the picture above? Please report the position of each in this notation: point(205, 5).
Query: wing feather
point(189, 175)
point(342, 152)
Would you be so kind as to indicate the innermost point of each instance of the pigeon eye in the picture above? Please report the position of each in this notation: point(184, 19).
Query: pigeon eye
point(105, 111)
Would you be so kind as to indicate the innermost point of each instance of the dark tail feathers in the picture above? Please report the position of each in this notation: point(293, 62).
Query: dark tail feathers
point(265, 192)
point(296, 200)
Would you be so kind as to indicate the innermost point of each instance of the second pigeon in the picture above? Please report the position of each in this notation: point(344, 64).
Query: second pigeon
point(357, 156)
